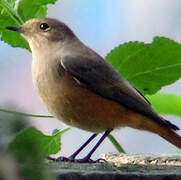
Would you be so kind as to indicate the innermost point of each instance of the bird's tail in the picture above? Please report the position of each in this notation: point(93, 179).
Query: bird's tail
point(163, 128)
point(167, 130)
point(171, 136)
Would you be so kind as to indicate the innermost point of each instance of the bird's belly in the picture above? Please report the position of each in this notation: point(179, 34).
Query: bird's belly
point(77, 106)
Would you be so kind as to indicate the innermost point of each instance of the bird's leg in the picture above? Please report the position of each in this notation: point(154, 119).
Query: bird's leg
point(87, 159)
point(72, 157)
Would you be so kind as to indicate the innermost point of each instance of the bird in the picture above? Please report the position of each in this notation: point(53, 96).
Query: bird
point(81, 89)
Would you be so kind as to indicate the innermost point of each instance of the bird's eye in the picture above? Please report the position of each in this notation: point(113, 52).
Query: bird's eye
point(44, 27)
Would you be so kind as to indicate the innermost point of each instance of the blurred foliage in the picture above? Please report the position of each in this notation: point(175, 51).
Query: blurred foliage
point(31, 147)
point(10, 126)
point(166, 104)
point(24, 149)
point(9, 167)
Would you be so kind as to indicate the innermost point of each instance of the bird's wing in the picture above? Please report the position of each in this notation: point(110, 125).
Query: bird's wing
point(101, 78)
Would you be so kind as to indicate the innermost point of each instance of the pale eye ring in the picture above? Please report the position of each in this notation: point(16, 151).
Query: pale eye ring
point(44, 27)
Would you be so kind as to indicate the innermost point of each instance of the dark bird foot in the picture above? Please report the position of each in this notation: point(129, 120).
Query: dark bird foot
point(83, 160)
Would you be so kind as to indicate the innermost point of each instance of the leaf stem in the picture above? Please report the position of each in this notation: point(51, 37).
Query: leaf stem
point(24, 114)
point(62, 131)
point(115, 143)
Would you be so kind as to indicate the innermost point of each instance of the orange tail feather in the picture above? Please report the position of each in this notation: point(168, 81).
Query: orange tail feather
point(167, 133)
point(171, 136)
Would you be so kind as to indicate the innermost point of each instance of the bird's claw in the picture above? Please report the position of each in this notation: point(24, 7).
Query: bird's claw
point(83, 160)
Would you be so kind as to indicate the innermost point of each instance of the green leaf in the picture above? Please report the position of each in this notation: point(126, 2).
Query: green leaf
point(116, 143)
point(148, 67)
point(32, 144)
point(166, 104)
point(15, 13)
point(33, 9)
point(8, 17)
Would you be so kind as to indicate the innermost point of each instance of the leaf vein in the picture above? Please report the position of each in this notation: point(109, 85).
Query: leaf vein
point(153, 70)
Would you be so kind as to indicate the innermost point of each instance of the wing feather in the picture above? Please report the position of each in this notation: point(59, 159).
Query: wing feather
point(101, 78)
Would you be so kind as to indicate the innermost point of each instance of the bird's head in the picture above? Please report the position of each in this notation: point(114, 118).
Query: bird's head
point(42, 31)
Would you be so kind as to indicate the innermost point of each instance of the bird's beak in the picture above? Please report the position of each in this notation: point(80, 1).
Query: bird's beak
point(17, 29)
